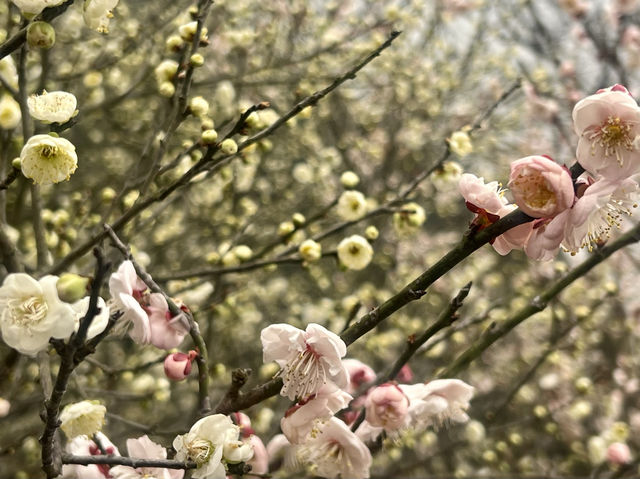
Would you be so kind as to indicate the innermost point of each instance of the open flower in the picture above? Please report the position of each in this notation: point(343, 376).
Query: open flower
point(10, 115)
point(409, 219)
point(359, 374)
point(99, 321)
point(126, 289)
point(460, 143)
point(608, 123)
point(355, 252)
point(309, 359)
point(167, 331)
point(52, 107)
point(336, 451)
point(145, 448)
point(209, 442)
point(352, 205)
point(83, 446)
point(541, 187)
point(35, 6)
point(438, 401)
point(387, 406)
point(46, 159)
point(31, 313)
point(84, 417)
point(309, 415)
point(97, 14)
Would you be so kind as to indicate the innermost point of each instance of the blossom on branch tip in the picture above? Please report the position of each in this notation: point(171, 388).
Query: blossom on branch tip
point(31, 313)
point(83, 446)
point(310, 250)
point(145, 448)
point(35, 7)
point(352, 205)
point(177, 366)
point(608, 124)
point(438, 401)
point(82, 418)
point(359, 374)
point(387, 406)
point(409, 219)
point(460, 143)
point(308, 359)
point(541, 188)
point(53, 106)
point(10, 115)
point(355, 252)
point(46, 159)
point(97, 13)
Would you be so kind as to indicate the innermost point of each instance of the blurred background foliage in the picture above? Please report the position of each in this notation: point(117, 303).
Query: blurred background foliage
point(550, 396)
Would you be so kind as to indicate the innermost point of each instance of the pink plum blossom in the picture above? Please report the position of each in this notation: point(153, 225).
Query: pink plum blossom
point(546, 236)
point(607, 123)
point(309, 359)
point(260, 461)
point(541, 188)
point(405, 375)
point(177, 366)
point(308, 416)
point(359, 374)
point(618, 453)
point(438, 401)
point(145, 448)
point(336, 451)
point(601, 208)
point(167, 331)
point(83, 446)
point(387, 406)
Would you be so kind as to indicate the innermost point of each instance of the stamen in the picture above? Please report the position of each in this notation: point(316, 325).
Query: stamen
point(613, 136)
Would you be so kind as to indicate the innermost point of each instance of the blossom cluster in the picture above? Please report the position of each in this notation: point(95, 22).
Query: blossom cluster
point(568, 212)
point(322, 384)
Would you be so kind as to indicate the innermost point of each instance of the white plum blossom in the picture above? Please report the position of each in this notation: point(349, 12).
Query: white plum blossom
point(352, 205)
point(337, 452)
point(145, 448)
point(355, 252)
point(460, 143)
point(10, 115)
point(9, 72)
point(52, 107)
point(31, 313)
point(438, 401)
point(97, 14)
point(309, 359)
point(310, 250)
point(409, 219)
point(126, 289)
point(82, 418)
point(46, 159)
point(35, 7)
point(309, 415)
point(210, 443)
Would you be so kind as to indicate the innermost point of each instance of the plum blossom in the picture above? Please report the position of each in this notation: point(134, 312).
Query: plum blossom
point(10, 115)
point(487, 201)
point(46, 159)
point(97, 13)
point(601, 208)
point(52, 107)
point(438, 401)
point(308, 416)
point(309, 359)
point(145, 448)
point(355, 252)
point(618, 453)
point(387, 406)
point(99, 321)
point(35, 7)
point(211, 443)
point(409, 219)
point(260, 461)
point(336, 451)
point(607, 123)
point(147, 314)
point(352, 205)
point(82, 418)
point(31, 313)
point(541, 188)
point(359, 374)
point(83, 446)
point(460, 143)
point(177, 366)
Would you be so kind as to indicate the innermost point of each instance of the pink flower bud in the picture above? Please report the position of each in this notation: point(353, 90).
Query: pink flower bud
point(541, 188)
point(177, 366)
point(405, 375)
point(618, 453)
point(386, 406)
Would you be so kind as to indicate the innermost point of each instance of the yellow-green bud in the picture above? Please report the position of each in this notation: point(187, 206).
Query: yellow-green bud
point(107, 194)
point(206, 123)
point(167, 89)
point(253, 120)
point(174, 43)
point(209, 137)
point(349, 179)
point(16, 163)
point(229, 147)
point(41, 35)
point(196, 60)
point(72, 287)
point(371, 233)
point(298, 219)
point(286, 228)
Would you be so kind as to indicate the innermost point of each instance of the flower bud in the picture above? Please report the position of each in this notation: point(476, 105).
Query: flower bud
point(286, 228)
point(199, 106)
point(209, 137)
point(253, 120)
point(387, 406)
point(310, 250)
point(349, 179)
point(541, 188)
point(371, 233)
point(460, 143)
point(16, 163)
point(177, 366)
point(166, 89)
point(72, 287)
point(298, 219)
point(229, 147)
point(174, 43)
point(618, 453)
point(196, 60)
point(41, 35)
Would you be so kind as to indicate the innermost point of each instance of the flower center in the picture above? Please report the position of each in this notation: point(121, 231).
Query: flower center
point(605, 218)
point(613, 136)
point(200, 450)
point(304, 374)
point(27, 311)
point(533, 189)
point(354, 249)
point(48, 151)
